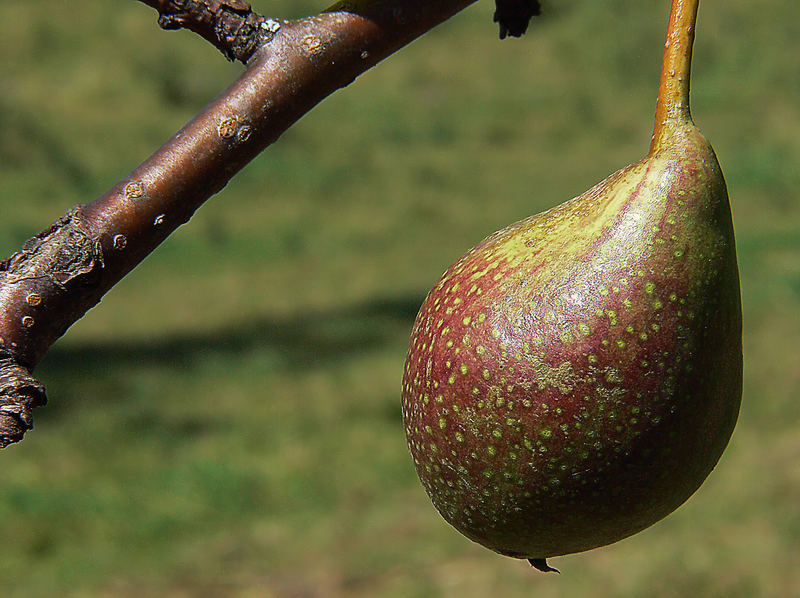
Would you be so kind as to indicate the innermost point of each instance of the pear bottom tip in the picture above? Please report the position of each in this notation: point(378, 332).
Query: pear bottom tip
point(541, 565)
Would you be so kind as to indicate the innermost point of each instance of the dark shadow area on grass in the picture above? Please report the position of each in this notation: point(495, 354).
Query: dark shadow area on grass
point(98, 373)
point(300, 340)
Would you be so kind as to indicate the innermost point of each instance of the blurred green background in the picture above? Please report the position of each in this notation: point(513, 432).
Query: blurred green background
point(227, 421)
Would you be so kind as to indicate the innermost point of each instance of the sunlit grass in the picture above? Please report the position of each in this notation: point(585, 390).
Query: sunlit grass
point(227, 421)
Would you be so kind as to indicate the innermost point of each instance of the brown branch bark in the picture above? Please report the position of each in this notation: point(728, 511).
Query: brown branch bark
point(231, 25)
point(62, 272)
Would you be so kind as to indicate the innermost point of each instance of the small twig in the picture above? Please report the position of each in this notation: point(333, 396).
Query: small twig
point(513, 16)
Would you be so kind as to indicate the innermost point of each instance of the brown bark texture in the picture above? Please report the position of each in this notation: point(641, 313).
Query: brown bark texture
point(231, 25)
point(291, 66)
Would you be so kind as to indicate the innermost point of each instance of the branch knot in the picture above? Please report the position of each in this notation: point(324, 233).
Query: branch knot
point(231, 25)
point(20, 393)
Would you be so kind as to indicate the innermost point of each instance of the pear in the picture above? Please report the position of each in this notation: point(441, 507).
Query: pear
point(576, 376)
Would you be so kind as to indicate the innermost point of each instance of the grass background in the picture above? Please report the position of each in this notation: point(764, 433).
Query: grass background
point(227, 421)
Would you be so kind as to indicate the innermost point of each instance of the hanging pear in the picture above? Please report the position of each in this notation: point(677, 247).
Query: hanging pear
point(576, 376)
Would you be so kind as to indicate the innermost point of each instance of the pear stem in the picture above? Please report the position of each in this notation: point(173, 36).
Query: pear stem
point(673, 92)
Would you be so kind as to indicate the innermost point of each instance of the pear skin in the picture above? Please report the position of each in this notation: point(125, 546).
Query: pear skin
point(576, 376)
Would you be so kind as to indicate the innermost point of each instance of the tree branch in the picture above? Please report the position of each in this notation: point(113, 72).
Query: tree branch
point(62, 272)
point(231, 25)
